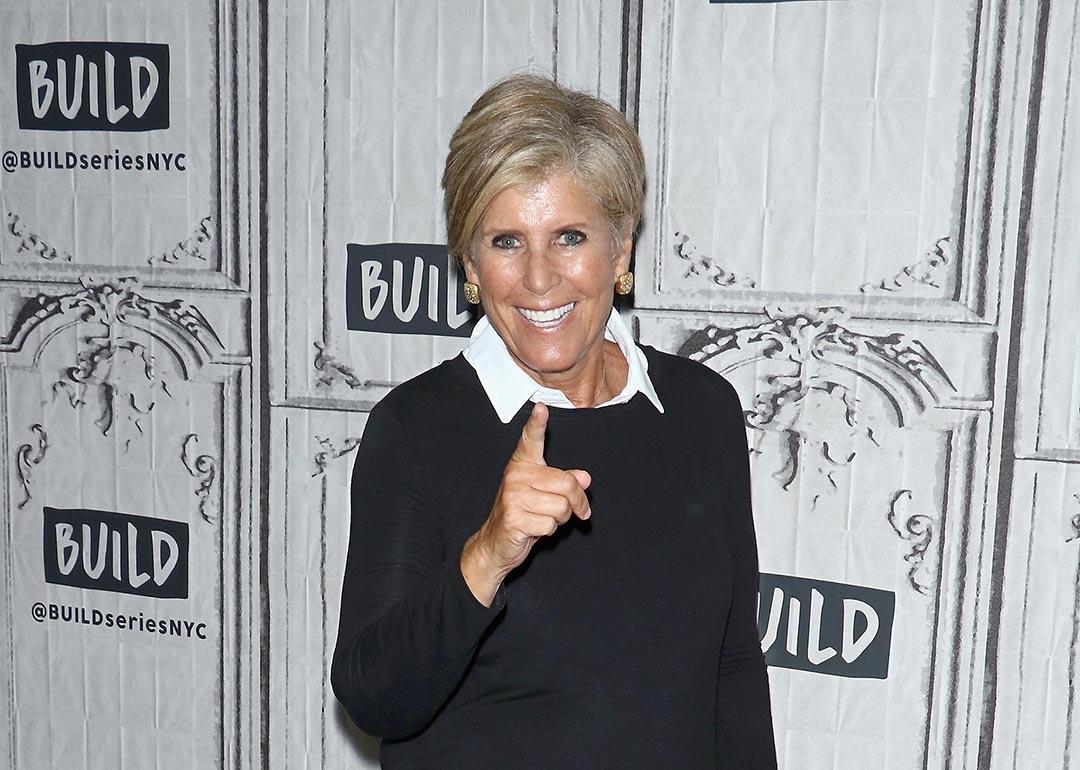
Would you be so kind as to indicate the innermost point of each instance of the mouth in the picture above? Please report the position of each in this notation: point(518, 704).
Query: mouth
point(546, 319)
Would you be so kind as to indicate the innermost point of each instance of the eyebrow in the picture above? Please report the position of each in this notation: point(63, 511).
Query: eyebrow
point(560, 228)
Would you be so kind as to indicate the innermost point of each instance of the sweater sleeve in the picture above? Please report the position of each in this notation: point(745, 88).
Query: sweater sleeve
point(744, 733)
point(409, 624)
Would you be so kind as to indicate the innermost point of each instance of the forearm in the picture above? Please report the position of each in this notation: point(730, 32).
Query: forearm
point(394, 674)
point(744, 731)
point(482, 577)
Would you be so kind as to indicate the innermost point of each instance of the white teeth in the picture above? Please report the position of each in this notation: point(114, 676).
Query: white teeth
point(546, 316)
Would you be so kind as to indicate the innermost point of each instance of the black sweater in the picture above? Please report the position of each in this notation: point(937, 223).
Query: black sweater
point(625, 641)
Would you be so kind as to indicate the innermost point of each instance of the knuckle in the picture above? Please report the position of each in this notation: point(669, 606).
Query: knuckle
point(562, 481)
point(515, 478)
point(518, 503)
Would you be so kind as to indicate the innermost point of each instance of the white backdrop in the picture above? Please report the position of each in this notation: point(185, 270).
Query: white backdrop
point(860, 211)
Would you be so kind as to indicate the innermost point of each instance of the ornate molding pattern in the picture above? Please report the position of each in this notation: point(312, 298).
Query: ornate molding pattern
point(897, 364)
point(32, 242)
point(918, 529)
point(135, 410)
point(330, 452)
point(117, 308)
point(96, 368)
point(113, 304)
point(27, 458)
point(1074, 522)
point(201, 467)
point(707, 267)
point(925, 270)
point(332, 370)
point(189, 248)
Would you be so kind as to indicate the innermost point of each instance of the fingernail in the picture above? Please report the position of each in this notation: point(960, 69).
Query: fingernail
point(588, 512)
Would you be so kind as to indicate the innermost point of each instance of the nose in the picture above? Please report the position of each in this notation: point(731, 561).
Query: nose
point(540, 274)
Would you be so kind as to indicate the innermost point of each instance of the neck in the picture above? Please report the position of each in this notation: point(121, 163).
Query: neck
point(600, 376)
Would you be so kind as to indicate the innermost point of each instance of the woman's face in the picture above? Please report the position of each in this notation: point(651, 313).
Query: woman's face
point(541, 249)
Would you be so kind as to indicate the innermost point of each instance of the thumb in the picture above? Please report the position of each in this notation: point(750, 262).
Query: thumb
point(582, 477)
point(531, 444)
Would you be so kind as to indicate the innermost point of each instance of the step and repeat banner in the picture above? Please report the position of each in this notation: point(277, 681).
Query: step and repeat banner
point(223, 242)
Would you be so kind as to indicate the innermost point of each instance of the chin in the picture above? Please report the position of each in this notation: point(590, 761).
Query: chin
point(548, 363)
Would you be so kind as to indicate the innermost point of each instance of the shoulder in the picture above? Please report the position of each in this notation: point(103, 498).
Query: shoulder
point(677, 378)
point(430, 399)
point(402, 432)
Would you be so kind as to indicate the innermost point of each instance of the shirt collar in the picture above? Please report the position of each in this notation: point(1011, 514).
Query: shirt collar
point(508, 386)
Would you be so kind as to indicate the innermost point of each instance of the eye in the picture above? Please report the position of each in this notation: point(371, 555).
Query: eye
point(501, 241)
point(576, 237)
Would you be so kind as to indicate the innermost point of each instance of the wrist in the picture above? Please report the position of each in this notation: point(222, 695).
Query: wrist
point(477, 567)
point(481, 557)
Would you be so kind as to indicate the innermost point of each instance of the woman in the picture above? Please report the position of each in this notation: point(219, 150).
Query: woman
point(552, 560)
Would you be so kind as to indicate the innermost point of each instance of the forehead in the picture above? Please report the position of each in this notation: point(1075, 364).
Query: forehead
point(554, 199)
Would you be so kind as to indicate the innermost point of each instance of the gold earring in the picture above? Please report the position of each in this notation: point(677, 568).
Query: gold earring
point(625, 283)
point(472, 293)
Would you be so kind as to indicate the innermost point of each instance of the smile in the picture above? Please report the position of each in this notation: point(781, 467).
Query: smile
point(546, 318)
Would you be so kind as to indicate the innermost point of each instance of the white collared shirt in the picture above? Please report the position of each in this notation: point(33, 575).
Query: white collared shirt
point(508, 386)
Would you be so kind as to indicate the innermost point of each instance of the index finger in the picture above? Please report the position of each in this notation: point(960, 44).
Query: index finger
point(531, 444)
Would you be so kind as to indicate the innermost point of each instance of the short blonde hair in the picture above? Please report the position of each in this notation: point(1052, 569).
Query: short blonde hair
point(525, 127)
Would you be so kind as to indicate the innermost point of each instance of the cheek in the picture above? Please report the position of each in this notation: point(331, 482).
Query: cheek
point(593, 276)
point(497, 282)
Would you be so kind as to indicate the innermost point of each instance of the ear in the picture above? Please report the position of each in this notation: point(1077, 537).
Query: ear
point(623, 248)
point(470, 269)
